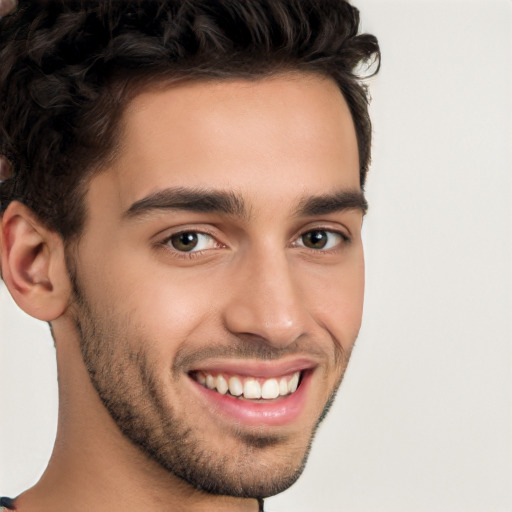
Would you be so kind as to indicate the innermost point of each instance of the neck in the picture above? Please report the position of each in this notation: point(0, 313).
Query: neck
point(94, 467)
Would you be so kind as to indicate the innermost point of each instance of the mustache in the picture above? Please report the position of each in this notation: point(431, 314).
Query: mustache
point(260, 349)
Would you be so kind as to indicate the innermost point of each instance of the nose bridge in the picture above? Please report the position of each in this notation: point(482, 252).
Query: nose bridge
point(266, 301)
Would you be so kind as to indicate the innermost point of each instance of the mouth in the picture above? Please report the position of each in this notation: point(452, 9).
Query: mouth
point(259, 395)
point(247, 387)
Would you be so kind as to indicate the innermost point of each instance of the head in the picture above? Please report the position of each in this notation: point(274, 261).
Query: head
point(197, 168)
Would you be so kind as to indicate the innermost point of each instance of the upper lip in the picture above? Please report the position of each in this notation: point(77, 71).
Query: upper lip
point(252, 368)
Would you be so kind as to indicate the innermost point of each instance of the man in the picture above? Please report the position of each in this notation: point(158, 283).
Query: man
point(182, 201)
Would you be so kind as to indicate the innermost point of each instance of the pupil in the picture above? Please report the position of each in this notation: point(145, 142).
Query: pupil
point(184, 241)
point(315, 239)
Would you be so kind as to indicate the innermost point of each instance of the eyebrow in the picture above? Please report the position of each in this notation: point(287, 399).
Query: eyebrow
point(332, 203)
point(195, 200)
point(230, 203)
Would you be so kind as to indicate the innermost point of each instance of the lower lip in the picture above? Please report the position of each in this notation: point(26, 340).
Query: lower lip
point(279, 412)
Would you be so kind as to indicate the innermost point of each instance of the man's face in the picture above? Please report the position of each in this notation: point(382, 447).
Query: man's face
point(223, 250)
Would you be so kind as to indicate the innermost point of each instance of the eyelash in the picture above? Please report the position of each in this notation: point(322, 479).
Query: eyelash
point(345, 240)
point(166, 243)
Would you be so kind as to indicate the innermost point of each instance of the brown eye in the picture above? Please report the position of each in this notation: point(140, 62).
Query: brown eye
point(184, 241)
point(321, 239)
point(191, 241)
point(315, 239)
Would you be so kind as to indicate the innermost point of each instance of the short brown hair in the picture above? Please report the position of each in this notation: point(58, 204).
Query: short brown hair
point(68, 69)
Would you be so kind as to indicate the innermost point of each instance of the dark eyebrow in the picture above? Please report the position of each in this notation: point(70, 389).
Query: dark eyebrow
point(196, 200)
point(331, 203)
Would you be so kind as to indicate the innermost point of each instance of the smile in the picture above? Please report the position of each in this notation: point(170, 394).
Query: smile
point(254, 393)
point(249, 388)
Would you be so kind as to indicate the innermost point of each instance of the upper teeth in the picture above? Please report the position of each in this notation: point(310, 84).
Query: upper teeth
point(250, 387)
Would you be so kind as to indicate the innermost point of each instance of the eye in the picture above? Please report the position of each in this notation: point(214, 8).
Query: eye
point(321, 239)
point(191, 241)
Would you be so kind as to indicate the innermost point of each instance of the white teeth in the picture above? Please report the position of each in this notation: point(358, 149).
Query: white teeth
point(270, 389)
point(252, 389)
point(222, 385)
point(235, 386)
point(210, 382)
point(283, 386)
point(294, 382)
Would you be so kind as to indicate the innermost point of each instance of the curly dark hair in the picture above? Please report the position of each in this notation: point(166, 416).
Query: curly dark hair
point(69, 67)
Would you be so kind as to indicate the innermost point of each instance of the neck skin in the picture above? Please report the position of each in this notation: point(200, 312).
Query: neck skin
point(94, 467)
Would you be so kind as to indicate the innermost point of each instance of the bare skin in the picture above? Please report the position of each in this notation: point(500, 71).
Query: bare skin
point(7, 7)
point(266, 286)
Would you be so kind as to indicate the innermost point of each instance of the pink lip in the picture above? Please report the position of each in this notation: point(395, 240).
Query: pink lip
point(279, 412)
point(261, 369)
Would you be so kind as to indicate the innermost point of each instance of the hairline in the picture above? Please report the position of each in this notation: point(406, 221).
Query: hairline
point(137, 86)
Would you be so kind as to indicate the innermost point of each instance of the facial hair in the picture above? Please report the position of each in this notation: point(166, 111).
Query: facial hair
point(115, 355)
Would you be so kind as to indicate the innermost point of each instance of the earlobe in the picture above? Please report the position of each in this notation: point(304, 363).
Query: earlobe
point(33, 264)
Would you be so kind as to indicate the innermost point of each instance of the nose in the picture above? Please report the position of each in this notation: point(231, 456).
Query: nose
point(266, 301)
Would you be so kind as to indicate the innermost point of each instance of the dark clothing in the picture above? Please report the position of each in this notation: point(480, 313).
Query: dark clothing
point(6, 504)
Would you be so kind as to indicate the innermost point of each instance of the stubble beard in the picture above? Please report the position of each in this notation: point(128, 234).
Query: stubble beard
point(128, 388)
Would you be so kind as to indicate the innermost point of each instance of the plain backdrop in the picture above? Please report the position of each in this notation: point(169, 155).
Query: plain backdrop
point(423, 421)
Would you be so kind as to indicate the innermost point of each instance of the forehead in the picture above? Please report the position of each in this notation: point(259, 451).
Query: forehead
point(289, 134)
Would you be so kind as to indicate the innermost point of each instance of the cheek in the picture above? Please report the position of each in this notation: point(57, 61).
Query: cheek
point(170, 307)
point(158, 305)
point(337, 302)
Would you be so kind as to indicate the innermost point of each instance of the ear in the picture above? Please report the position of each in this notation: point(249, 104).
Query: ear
point(33, 264)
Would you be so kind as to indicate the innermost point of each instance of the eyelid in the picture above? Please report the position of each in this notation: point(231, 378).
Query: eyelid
point(330, 244)
point(164, 242)
point(296, 242)
point(342, 231)
point(186, 228)
point(199, 235)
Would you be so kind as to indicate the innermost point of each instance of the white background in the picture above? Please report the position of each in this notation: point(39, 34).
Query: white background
point(423, 422)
